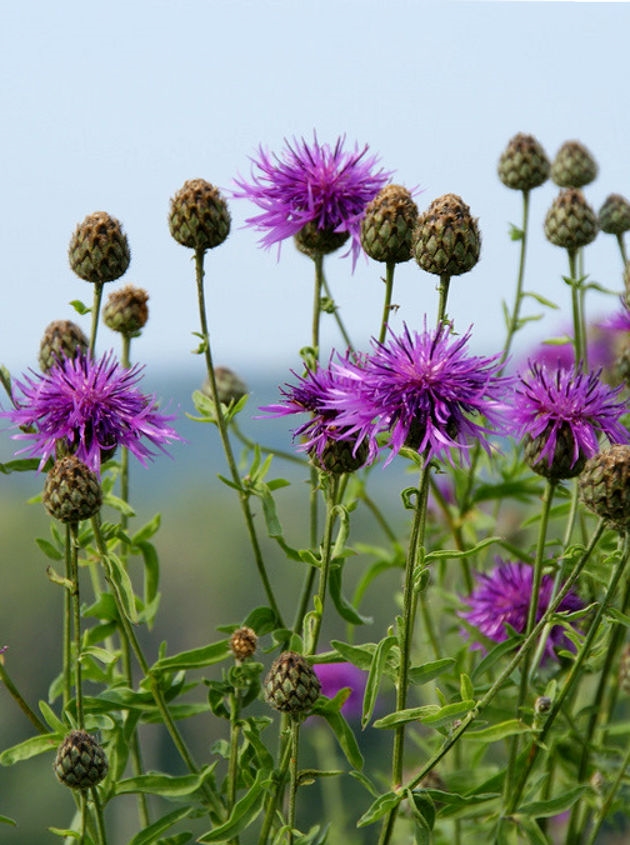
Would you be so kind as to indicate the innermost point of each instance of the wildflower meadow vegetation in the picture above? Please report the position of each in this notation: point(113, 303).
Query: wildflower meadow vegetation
point(492, 706)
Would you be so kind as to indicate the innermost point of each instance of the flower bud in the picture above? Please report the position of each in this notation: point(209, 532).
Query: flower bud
point(291, 685)
point(447, 239)
point(523, 164)
point(388, 225)
point(230, 387)
point(573, 166)
point(98, 250)
point(562, 464)
point(199, 216)
point(80, 762)
point(126, 310)
point(570, 222)
point(312, 241)
point(614, 215)
point(604, 485)
point(61, 339)
point(243, 643)
point(72, 491)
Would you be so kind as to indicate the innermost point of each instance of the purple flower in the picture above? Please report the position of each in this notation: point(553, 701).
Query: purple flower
point(311, 183)
point(320, 392)
point(91, 406)
point(619, 322)
point(424, 389)
point(336, 676)
point(502, 598)
point(552, 402)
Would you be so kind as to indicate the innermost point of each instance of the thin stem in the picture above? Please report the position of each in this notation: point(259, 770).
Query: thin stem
point(293, 775)
point(604, 809)
point(569, 683)
point(98, 811)
point(318, 258)
point(416, 541)
point(274, 798)
point(513, 664)
point(622, 248)
point(579, 344)
point(340, 324)
point(67, 624)
point(125, 360)
point(445, 281)
point(96, 309)
point(156, 692)
point(387, 305)
point(20, 701)
point(518, 298)
point(324, 568)
point(225, 440)
point(531, 621)
point(76, 617)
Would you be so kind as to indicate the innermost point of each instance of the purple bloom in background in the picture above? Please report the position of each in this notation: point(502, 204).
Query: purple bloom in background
point(557, 402)
point(92, 406)
point(619, 322)
point(336, 676)
point(311, 183)
point(424, 388)
point(502, 598)
point(319, 392)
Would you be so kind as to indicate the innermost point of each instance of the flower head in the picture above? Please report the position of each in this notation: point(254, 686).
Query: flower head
point(321, 393)
point(567, 409)
point(311, 183)
point(502, 599)
point(88, 406)
point(425, 390)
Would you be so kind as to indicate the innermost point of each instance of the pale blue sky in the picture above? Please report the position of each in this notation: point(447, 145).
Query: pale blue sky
point(113, 106)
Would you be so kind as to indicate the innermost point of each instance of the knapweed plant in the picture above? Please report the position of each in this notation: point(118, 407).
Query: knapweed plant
point(492, 704)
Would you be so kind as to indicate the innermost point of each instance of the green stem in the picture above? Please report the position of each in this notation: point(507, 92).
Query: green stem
point(622, 249)
point(125, 360)
point(293, 775)
point(337, 315)
point(579, 343)
point(513, 664)
point(100, 820)
point(571, 679)
point(445, 281)
point(67, 624)
point(20, 701)
point(318, 258)
point(416, 541)
point(155, 690)
point(274, 798)
point(235, 729)
point(518, 298)
point(225, 440)
point(531, 621)
point(96, 309)
point(604, 809)
point(324, 568)
point(387, 305)
point(76, 619)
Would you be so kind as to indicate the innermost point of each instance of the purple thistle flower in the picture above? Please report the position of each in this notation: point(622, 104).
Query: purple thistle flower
point(554, 402)
point(311, 183)
point(336, 676)
point(92, 406)
point(423, 388)
point(619, 322)
point(319, 392)
point(502, 598)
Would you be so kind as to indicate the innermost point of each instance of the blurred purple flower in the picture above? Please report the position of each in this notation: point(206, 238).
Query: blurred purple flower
point(336, 676)
point(424, 389)
point(502, 598)
point(548, 401)
point(311, 183)
point(91, 406)
point(319, 392)
point(618, 322)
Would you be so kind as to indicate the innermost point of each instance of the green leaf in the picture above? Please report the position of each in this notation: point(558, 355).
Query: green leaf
point(29, 748)
point(377, 667)
point(52, 720)
point(360, 656)
point(342, 731)
point(494, 733)
point(343, 606)
point(516, 234)
point(80, 307)
point(496, 654)
point(453, 554)
point(419, 675)
point(423, 814)
point(274, 528)
point(617, 616)
point(195, 658)
point(23, 465)
point(149, 834)
point(7, 820)
point(243, 813)
point(178, 839)
point(540, 299)
point(48, 549)
point(466, 689)
point(429, 714)
point(383, 805)
point(168, 786)
point(147, 531)
point(553, 806)
point(124, 587)
point(263, 620)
